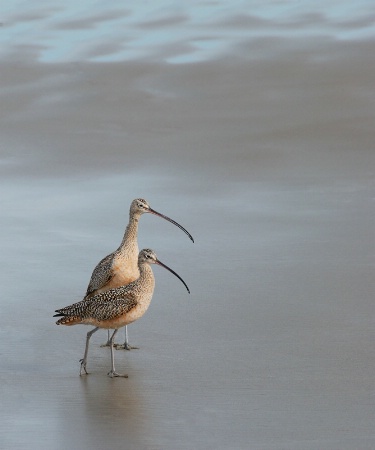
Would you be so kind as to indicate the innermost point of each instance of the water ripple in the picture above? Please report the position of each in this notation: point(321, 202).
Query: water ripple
point(176, 33)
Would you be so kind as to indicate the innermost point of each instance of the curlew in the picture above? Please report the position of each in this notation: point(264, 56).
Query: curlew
point(121, 267)
point(115, 308)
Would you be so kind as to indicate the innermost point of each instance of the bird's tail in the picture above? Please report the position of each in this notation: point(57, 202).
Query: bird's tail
point(67, 320)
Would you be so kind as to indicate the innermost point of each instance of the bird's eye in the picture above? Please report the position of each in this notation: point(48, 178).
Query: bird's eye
point(142, 203)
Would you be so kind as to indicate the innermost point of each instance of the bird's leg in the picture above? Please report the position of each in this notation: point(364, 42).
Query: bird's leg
point(107, 344)
point(125, 345)
point(112, 373)
point(83, 361)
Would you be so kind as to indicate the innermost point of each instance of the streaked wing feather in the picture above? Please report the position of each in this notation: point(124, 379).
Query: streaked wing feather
point(104, 306)
point(101, 275)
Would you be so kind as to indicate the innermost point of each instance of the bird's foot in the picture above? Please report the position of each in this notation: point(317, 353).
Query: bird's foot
point(107, 344)
point(82, 370)
point(113, 374)
point(124, 346)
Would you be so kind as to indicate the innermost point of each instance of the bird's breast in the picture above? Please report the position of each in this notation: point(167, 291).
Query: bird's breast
point(122, 273)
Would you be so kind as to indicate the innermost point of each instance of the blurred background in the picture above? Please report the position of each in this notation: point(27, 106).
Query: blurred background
point(250, 123)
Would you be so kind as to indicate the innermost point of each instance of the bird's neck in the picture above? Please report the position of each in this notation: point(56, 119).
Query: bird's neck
point(146, 276)
point(129, 243)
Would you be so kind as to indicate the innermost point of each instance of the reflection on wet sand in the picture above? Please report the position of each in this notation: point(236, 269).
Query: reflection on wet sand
point(113, 413)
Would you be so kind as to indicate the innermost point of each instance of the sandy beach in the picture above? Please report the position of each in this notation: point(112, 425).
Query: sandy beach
point(252, 125)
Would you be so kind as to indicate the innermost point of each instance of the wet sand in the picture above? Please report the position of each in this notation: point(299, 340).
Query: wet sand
point(264, 152)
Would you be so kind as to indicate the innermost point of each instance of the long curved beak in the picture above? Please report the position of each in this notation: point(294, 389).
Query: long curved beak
point(152, 211)
point(172, 271)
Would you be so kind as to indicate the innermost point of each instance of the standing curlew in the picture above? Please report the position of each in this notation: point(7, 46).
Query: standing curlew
point(116, 307)
point(120, 267)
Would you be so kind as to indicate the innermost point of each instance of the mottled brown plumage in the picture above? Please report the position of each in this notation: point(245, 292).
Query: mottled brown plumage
point(116, 307)
point(121, 267)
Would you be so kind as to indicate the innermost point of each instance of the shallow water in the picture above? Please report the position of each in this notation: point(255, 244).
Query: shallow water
point(165, 30)
point(249, 123)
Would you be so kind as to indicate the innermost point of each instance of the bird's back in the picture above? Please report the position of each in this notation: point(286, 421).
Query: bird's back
point(113, 308)
point(101, 275)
